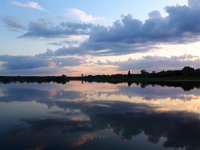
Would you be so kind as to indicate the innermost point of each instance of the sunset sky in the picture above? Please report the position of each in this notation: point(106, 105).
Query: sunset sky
point(53, 37)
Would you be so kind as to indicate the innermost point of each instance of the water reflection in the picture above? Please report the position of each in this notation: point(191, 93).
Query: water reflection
point(186, 86)
point(98, 116)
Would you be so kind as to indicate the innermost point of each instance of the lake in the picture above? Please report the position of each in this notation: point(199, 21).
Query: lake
point(98, 116)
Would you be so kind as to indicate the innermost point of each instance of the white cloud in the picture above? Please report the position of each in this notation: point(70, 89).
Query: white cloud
point(33, 5)
point(83, 16)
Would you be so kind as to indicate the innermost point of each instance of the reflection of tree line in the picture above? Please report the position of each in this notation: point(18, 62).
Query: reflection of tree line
point(186, 86)
point(188, 78)
point(32, 79)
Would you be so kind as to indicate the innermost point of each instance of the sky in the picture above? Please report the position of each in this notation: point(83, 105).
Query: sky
point(74, 37)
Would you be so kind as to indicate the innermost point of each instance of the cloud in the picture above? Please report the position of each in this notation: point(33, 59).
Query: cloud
point(68, 61)
point(156, 63)
point(100, 49)
point(194, 3)
point(69, 43)
point(28, 65)
point(23, 62)
point(128, 35)
point(125, 36)
point(33, 5)
point(44, 28)
point(155, 15)
point(83, 16)
point(13, 23)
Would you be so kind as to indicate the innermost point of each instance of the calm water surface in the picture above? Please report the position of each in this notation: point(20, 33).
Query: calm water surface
point(98, 116)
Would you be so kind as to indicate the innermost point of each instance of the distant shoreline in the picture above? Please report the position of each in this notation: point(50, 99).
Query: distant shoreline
point(187, 78)
point(186, 84)
point(98, 78)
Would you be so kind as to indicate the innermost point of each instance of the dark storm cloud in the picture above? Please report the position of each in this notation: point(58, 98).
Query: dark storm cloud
point(13, 23)
point(46, 29)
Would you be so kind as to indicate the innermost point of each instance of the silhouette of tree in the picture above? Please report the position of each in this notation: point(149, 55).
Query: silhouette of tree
point(188, 71)
point(129, 73)
point(143, 72)
point(64, 76)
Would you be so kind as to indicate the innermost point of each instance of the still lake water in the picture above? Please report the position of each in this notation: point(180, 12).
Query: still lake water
point(98, 116)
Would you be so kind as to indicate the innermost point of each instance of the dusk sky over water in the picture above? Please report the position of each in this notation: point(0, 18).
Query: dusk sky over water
point(49, 37)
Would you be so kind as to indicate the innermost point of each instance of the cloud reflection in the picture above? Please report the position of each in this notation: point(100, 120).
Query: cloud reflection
point(86, 118)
